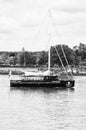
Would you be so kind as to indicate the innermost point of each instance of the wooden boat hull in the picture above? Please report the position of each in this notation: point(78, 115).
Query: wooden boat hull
point(62, 83)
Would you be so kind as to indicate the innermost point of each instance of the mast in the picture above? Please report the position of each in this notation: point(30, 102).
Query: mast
point(23, 51)
point(49, 57)
point(49, 33)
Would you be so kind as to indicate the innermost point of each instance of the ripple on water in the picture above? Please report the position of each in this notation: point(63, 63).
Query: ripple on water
point(42, 109)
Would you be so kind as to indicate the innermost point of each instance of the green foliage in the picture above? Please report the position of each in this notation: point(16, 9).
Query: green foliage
point(69, 54)
point(33, 59)
point(80, 52)
point(42, 58)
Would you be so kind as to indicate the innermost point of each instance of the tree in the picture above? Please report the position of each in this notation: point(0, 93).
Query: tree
point(81, 52)
point(42, 58)
point(69, 53)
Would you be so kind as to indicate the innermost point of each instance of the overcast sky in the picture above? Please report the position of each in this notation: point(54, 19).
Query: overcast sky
point(26, 23)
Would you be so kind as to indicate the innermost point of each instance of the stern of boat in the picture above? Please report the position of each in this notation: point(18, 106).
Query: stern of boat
point(68, 84)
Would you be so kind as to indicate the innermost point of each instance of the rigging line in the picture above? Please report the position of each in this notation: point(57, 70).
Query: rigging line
point(66, 60)
point(54, 46)
point(53, 23)
point(59, 57)
point(40, 27)
point(61, 61)
point(62, 49)
point(56, 49)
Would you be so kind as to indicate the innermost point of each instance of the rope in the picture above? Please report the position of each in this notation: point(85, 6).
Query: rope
point(66, 60)
point(61, 61)
point(62, 50)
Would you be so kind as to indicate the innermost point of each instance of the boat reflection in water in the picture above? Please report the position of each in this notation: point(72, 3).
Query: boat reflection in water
point(41, 89)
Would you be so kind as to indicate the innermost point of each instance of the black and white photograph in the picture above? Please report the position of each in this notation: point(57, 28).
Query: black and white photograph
point(42, 65)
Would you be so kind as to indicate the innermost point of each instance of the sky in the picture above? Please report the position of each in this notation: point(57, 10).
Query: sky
point(38, 24)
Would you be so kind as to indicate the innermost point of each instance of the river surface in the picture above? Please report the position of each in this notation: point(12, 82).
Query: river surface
point(42, 109)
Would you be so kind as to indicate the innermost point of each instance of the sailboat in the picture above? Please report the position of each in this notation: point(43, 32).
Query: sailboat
point(44, 79)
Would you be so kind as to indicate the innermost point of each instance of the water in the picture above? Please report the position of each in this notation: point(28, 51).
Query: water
point(42, 109)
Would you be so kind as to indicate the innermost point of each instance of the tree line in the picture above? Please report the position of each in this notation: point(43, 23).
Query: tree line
point(75, 57)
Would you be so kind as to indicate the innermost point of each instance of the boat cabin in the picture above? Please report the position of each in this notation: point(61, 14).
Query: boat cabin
point(39, 78)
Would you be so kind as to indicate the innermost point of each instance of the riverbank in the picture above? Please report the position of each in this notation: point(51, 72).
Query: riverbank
point(6, 72)
point(14, 71)
point(21, 70)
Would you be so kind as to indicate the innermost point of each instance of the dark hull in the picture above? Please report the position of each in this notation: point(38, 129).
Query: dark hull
point(62, 84)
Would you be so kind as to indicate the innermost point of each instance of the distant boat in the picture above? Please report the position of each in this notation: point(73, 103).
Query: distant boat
point(44, 79)
point(79, 73)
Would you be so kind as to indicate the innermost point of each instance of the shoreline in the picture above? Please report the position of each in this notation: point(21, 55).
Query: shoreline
point(14, 72)
point(20, 70)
